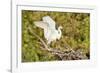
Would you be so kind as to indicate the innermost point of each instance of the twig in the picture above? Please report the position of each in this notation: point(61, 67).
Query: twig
point(54, 51)
point(45, 45)
point(69, 54)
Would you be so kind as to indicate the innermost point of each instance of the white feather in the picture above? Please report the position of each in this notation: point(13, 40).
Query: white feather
point(41, 24)
point(50, 22)
point(50, 32)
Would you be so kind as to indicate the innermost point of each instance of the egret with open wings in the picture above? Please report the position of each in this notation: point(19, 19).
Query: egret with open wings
point(50, 31)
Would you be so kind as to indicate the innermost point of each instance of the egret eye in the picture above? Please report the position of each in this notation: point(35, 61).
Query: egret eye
point(58, 32)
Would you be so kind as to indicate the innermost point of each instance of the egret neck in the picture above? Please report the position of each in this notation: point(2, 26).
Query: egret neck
point(59, 32)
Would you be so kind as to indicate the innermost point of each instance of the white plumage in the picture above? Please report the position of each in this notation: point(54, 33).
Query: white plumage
point(50, 32)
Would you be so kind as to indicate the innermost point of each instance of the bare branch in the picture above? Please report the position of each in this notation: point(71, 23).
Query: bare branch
point(45, 45)
point(69, 54)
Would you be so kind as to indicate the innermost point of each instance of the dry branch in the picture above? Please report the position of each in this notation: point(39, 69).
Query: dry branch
point(69, 54)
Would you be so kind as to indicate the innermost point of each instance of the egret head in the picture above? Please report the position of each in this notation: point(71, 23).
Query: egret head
point(59, 32)
point(60, 27)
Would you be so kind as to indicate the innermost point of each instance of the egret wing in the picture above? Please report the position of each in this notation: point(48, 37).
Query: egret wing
point(50, 22)
point(41, 24)
point(44, 25)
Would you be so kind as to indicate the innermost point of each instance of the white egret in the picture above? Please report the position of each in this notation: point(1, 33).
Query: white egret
point(50, 32)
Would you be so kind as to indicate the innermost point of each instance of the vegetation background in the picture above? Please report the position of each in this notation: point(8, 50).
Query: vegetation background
point(75, 34)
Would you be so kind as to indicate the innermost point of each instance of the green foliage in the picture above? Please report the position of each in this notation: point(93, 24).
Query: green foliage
point(75, 33)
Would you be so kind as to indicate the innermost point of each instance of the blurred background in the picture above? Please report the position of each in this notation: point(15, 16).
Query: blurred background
point(75, 34)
